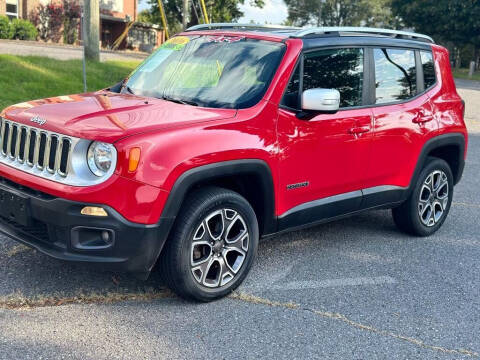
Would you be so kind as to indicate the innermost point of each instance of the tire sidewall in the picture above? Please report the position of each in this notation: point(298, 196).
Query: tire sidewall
point(432, 165)
point(229, 200)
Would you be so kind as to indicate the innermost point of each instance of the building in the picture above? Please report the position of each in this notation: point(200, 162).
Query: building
point(115, 17)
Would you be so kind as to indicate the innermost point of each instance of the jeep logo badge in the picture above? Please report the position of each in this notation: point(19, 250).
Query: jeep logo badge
point(38, 120)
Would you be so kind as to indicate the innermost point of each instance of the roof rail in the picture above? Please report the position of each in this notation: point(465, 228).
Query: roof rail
point(258, 27)
point(363, 31)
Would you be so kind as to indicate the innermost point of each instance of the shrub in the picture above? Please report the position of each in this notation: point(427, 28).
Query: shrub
point(55, 21)
point(39, 18)
point(48, 20)
point(24, 30)
point(6, 28)
point(71, 21)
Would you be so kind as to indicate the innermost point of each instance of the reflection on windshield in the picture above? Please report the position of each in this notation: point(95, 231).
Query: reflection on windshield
point(211, 71)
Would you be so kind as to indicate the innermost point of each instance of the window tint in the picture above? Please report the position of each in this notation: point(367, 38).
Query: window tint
point(340, 69)
point(290, 98)
point(395, 75)
point(428, 68)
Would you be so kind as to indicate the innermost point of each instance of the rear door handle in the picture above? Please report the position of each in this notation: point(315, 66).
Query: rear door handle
point(360, 130)
point(422, 118)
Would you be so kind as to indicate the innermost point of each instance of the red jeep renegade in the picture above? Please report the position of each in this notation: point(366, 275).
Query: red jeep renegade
point(229, 133)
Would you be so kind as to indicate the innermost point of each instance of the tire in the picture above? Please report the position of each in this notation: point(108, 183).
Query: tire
point(416, 216)
point(212, 246)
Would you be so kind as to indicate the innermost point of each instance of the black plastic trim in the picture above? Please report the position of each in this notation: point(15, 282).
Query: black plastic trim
point(456, 139)
point(383, 195)
point(214, 171)
point(136, 246)
point(320, 209)
point(317, 42)
point(419, 71)
point(341, 205)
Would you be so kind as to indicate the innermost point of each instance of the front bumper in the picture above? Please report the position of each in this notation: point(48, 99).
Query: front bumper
point(55, 226)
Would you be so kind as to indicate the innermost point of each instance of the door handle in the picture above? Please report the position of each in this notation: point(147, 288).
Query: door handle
point(359, 130)
point(421, 118)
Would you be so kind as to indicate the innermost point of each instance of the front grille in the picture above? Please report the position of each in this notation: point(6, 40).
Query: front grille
point(40, 149)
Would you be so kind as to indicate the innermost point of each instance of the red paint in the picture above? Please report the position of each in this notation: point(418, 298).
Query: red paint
point(335, 153)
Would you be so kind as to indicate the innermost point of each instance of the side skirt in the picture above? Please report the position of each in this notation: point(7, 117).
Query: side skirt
point(340, 206)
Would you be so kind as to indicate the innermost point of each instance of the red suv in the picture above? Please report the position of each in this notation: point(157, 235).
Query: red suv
point(229, 133)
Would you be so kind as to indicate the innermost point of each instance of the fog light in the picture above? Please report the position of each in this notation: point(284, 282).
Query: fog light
point(88, 238)
point(107, 237)
point(93, 211)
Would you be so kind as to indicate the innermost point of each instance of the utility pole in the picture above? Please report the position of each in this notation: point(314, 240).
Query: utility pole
point(83, 57)
point(185, 14)
point(92, 29)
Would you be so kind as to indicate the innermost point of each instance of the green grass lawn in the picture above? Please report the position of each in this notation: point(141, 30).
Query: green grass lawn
point(463, 74)
point(25, 78)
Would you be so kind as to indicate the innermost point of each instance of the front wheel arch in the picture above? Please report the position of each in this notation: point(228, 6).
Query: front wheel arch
point(259, 190)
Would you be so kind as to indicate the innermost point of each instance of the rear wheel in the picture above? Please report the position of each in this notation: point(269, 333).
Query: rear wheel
point(427, 207)
point(213, 245)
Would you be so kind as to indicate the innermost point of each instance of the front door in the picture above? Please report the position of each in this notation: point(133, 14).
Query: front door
point(323, 159)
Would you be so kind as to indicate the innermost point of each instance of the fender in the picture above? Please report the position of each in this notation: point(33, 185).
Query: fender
point(456, 139)
point(221, 169)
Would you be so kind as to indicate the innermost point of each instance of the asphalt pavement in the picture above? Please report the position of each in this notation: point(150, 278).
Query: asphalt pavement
point(351, 289)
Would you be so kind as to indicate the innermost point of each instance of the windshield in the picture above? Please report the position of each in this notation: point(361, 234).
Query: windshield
point(212, 71)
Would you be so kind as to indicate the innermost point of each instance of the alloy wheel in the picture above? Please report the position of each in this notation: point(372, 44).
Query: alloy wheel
point(433, 198)
point(219, 248)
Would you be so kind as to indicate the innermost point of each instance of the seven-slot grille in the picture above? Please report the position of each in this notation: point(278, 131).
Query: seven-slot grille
point(42, 149)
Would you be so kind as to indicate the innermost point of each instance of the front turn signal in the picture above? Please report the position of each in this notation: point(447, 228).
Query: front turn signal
point(93, 211)
point(133, 159)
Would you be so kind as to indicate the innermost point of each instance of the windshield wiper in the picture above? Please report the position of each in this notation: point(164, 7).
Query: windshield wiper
point(129, 89)
point(179, 101)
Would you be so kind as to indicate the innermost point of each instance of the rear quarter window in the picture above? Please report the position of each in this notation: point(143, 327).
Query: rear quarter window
point(428, 68)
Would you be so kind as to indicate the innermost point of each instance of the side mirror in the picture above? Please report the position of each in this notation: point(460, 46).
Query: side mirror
point(324, 100)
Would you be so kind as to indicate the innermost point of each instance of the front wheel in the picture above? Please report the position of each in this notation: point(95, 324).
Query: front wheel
point(213, 245)
point(427, 207)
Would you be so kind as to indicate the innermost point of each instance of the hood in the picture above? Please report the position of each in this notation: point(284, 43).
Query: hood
point(106, 116)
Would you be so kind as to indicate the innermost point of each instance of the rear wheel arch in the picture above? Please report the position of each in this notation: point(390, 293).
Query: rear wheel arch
point(448, 147)
point(251, 178)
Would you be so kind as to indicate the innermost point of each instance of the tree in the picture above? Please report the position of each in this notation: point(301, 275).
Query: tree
point(456, 21)
point(340, 13)
point(48, 20)
point(218, 11)
point(380, 15)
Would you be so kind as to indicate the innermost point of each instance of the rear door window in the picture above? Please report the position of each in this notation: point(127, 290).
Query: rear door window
point(395, 75)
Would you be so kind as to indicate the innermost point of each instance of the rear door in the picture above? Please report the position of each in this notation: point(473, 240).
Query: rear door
point(403, 119)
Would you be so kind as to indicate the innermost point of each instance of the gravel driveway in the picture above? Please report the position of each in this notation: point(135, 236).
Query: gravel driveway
point(352, 289)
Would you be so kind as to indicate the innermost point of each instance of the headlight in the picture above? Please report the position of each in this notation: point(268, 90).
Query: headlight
point(100, 157)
